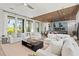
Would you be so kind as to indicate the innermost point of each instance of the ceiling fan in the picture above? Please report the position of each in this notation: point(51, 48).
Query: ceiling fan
point(28, 5)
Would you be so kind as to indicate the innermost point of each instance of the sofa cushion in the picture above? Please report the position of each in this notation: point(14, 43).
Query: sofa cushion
point(35, 35)
point(57, 37)
point(71, 39)
point(53, 37)
point(62, 36)
point(55, 47)
point(70, 49)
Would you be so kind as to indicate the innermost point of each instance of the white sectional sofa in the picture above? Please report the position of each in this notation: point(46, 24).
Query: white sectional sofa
point(60, 45)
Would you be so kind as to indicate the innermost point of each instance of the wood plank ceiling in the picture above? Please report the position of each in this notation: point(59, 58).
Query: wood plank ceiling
point(63, 14)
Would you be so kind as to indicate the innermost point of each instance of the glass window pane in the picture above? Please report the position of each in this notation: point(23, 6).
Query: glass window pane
point(26, 26)
point(20, 25)
point(29, 26)
point(11, 25)
point(37, 27)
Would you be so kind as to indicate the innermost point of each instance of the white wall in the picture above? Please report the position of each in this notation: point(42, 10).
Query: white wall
point(71, 26)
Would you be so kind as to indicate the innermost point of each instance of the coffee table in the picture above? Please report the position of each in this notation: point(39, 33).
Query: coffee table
point(33, 45)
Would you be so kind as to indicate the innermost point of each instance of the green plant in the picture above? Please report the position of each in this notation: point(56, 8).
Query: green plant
point(10, 30)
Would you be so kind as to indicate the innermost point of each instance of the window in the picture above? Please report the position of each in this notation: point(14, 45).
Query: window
point(37, 27)
point(41, 27)
point(11, 25)
point(29, 26)
point(15, 26)
point(20, 25)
